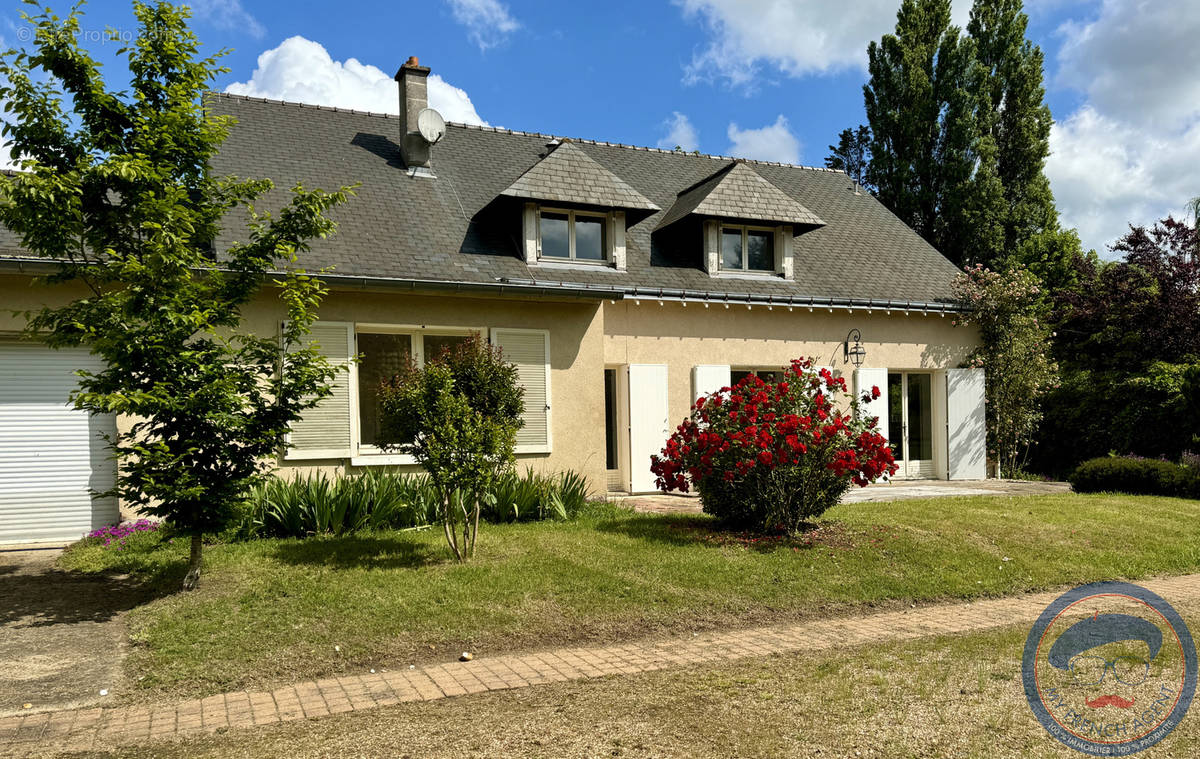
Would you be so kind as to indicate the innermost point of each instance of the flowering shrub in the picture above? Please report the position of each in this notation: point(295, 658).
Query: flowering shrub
point(769, 456)
point(117, 533)
point(1014, 352)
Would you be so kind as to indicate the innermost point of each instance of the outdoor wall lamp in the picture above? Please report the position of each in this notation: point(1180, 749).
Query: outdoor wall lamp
point(853, 353)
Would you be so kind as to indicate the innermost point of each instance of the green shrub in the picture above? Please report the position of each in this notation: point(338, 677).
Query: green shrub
point(323, 505)
point(534, 497)
point(1136, 476)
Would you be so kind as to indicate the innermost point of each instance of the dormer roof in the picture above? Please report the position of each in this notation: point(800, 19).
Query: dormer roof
point(569, 175)
point(738, 192)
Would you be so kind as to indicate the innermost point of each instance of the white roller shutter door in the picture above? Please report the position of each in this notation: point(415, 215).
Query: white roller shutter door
point(51, 456)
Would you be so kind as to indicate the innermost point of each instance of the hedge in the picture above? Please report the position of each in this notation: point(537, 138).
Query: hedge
point(1136, 476)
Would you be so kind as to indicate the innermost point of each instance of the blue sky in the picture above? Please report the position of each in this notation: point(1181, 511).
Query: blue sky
point(772, 79)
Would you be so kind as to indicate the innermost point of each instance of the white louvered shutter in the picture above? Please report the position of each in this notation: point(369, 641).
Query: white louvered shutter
point(326, 430)
point(709, 378)
point(966, 426)
point(529, 349)
point(864, 380)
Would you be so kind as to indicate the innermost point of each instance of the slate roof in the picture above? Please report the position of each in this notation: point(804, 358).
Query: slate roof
point(569, 175)
point(455, 229)
point(738, 192)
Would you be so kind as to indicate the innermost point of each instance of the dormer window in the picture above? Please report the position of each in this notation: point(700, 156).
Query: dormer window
point(747, 249)
point(576, 236)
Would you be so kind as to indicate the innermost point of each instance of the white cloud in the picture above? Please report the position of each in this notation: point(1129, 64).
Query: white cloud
point(796, 36)
point(1136, 60)
point(680, 133)
point(1107, 174)
point(774, 142)
point(488, 21)
point(228, 15)
point(1128, 154)
point(301, 70)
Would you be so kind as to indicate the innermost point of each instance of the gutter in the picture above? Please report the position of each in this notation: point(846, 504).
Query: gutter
point(790, 302)
point(542, 288)
point(526, 289)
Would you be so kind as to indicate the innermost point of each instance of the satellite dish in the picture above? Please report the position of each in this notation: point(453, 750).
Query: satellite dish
point(431, 125)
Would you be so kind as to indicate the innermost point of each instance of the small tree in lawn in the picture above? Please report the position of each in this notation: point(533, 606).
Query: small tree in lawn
point(458, 415)
point(1014, 351)
point(118, 191)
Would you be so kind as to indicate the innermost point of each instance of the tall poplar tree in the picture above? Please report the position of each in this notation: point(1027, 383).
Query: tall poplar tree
point(1012, 115)
point(919, 109)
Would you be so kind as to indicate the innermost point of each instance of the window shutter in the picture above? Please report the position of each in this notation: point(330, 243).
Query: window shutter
point(529, 349)
point(864, 380)
point(709, 378)
point(326, 430)
point(966, 426)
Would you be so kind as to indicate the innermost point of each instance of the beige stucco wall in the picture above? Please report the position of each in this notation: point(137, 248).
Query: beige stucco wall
point(685, 336)
point(586, 336)
point(576, 354)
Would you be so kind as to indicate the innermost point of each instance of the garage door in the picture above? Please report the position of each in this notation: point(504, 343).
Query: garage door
point(51, 456)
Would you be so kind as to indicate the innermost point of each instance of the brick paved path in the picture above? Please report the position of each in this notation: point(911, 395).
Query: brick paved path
point(84, 729)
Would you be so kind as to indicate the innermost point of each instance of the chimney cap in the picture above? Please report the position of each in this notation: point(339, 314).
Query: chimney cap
point(412, 65)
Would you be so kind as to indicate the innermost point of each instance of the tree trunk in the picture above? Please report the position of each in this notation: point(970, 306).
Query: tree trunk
point(192, 578)
point(448, 525)
point(475, 529)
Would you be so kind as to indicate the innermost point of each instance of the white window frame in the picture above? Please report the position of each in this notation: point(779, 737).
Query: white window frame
point(373, 455)
point(606, 243)
point(745, 229)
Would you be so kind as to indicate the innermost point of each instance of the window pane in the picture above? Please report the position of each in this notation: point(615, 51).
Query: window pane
point(772, 377)
point(895, 391)
point(759, 253)
point(731, 248)
point(737, 375)
point(382, 358)
point(920, 421)
point(554, 236)
point(589, 238)
point(435, 345)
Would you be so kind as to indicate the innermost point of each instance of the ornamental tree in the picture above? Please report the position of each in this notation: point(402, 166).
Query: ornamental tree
point(1014, 351)
point(114, 189)
point(770, 456)
point(458, 415)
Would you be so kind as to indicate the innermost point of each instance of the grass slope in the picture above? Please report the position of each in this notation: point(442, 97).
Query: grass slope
point(274, 611)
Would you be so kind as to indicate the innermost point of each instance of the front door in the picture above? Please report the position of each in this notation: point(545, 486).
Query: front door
point(910, 422)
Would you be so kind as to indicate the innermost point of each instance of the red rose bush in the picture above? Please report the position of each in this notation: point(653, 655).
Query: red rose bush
point(771, 456)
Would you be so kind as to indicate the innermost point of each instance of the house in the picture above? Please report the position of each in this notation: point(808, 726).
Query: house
point(622, 281)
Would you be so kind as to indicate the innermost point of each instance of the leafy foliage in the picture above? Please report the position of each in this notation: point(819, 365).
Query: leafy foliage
point(852, 154)
point(458, 415)
point(1137, 476)
point(1014, 352)
point(1129, 344)
point(118, 191)
point(959, 135)
point(772, 456)
point(919, 110)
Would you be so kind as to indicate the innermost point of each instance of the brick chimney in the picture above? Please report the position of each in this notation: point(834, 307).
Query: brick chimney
point(414, 98)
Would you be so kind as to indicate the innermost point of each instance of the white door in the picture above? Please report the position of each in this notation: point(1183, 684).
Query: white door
point(649, 425)
point(51, 455)
point(966, 427)
point(910, 423)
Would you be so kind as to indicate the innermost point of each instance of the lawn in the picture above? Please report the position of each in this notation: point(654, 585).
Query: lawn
point(952, 696)
point(273, 611)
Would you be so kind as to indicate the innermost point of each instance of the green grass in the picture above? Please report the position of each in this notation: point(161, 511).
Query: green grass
point(275, 610)
point(955, 697)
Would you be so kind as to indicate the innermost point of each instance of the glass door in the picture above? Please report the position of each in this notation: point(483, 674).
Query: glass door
point(910, 422)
